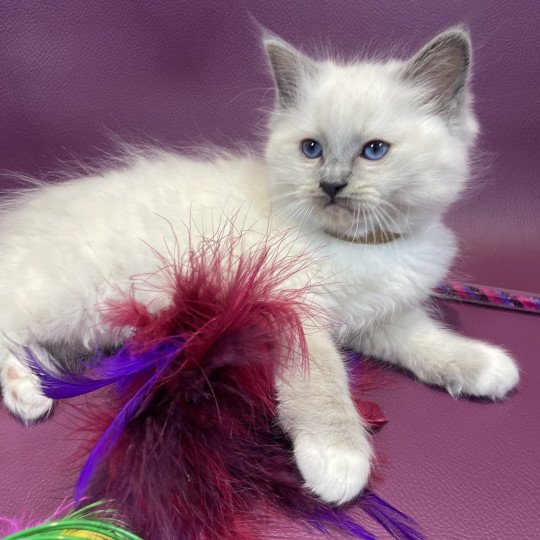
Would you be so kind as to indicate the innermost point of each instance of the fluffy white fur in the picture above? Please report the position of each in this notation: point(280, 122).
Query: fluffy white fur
point(66, 248)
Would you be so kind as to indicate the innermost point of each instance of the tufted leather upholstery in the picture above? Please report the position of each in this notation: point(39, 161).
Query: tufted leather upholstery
point(183, 73)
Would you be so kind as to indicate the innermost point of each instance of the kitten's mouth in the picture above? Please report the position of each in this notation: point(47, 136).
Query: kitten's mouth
point(340, 212)
point(338, 203)
point(341, 208)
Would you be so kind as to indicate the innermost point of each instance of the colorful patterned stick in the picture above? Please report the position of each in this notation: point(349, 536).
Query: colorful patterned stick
point(489, 296)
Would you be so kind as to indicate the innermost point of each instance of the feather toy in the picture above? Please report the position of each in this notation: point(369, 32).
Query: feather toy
point(92, 522)
point(189, 446)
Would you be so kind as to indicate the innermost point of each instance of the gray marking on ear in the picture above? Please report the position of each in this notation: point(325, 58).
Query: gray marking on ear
point(289, 68)
point(442, 68)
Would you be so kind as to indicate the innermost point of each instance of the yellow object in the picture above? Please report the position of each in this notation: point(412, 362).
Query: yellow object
point(89, 535)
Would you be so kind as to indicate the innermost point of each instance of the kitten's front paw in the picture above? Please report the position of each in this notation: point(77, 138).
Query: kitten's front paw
point(487, 371)
point(336, 469)
point(22, 395)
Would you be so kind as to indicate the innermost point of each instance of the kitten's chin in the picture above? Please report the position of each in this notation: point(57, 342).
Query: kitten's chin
point(337, 208)
point(339, 217)
point(346, 219)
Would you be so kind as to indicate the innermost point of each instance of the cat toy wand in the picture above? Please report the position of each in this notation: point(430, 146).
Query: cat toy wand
point(488, 296)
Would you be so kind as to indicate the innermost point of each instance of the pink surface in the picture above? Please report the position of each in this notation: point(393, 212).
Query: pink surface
point(186, 73)
point(469, 469)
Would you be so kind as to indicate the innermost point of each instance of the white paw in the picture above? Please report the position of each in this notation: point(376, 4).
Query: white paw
point(490, 372)
point(22, 395)
point(337, 469)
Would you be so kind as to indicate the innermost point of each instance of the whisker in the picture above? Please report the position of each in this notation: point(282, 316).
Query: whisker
point(304, 216)
point(391, 221)
point(294, 210)
point(382, 223)
point(283, 195)
point(372, 226)
point(388, 225)
point(273, 183)
point(364, 219)
point(376, 219)
point(289, 208)
point(406, 226)
point(357, 219)
point(353, 221)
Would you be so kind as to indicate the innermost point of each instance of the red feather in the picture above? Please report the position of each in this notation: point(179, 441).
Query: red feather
point(203, 456)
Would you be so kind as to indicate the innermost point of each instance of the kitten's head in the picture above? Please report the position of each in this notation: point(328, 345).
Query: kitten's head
point(360, 147)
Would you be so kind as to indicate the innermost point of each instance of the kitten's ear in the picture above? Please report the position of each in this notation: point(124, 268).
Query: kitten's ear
point(442, 68)
point(289, 68)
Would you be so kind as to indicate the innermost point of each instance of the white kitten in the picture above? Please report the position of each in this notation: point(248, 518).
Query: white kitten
point(363, 158)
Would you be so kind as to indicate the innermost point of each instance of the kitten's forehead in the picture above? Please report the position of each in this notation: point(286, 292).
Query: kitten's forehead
point(359, 101)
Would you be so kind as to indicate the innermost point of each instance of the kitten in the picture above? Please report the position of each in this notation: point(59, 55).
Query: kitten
point(363, 158)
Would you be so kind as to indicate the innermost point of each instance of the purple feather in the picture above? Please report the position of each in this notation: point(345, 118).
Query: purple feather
point(330, 519)
point(398, 524)
point(121, 369)
point(111, 436)
point(106, 370)
point(59, 384)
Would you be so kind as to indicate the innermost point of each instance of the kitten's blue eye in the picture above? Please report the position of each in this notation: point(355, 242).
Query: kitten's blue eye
point(375, 150)
point(311, 149)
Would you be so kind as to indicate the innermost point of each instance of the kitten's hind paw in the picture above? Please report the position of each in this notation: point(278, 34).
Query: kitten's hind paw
point(336, 470)
point(21, 393)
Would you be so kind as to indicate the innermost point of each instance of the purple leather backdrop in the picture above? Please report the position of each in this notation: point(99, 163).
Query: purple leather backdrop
point(184, 73)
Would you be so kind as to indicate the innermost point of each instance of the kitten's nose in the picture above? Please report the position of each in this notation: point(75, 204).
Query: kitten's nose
point(331, 188)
